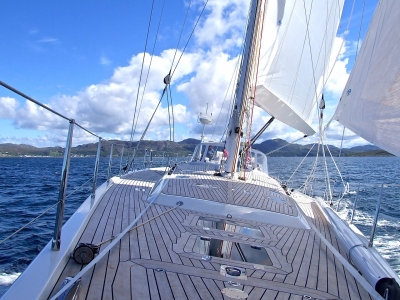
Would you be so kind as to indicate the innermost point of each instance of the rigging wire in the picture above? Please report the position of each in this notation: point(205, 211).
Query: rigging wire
point(303, 137)
point(180, 36)
point(341, 143)
point(317, 96)
point(226, 95)
point(287, 181)
point(337, 56)
point(355, 57)
point(234, 75)
point(173, 117)
point(167, 79)
point(169, 117)
point(151, 61)
point(334, 162)
point(359, 30)
point(240, 62)
point(194, 28)
point(141, 69)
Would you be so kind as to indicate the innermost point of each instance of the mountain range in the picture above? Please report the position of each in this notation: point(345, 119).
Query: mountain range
point(183, 148)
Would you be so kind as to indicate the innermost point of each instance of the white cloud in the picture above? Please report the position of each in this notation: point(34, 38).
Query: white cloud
point(8, 107)
point(108, 107)
point(223, 26)
point(202, 77)
point(47, 40)
point(104, 60)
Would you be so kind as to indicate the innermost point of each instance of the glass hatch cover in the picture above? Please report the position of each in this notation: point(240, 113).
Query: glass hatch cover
point(230, 226)
point(210, 247)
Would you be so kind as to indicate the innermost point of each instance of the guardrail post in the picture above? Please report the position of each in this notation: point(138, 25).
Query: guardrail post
point(145, 159)
point(355, 205)
point(56, 241)
point(110, 163)
point(378, 206)
point(96, 169)
point(120, 163)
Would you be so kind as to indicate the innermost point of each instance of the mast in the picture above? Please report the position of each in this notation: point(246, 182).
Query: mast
point(242, 92)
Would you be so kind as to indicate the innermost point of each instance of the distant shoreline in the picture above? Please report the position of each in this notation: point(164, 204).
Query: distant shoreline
point(184, 148)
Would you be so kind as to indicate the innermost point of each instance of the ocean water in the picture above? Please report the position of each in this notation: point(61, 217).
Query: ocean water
point(29, 186)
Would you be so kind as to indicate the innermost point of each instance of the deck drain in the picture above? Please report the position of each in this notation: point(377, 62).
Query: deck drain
point(160, 270)
point(234, 293)
point(206, 186)
point(307, 297)
point(182, 176)
point(248, 192)
point(140, 189)
point(233, 283)
point(231, 271)
point(206, 257)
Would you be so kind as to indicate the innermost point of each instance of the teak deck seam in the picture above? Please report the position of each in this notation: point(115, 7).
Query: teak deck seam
point(129, 270)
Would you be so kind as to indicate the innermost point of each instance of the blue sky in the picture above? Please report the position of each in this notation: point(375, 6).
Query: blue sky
point(83, 59)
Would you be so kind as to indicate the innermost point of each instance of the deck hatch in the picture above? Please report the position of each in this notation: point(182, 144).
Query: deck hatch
point(231, 250)
point(229, 226)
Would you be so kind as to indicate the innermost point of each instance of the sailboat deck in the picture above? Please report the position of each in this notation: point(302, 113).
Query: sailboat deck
point(158, 261)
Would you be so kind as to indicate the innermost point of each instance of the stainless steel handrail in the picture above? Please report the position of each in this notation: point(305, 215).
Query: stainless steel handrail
point(56, 242)
point(378, 206)
point(96, 169)
point(110, 163)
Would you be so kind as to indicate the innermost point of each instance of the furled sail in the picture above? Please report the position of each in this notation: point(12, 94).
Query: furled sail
point(295, 53)
point(370, 104)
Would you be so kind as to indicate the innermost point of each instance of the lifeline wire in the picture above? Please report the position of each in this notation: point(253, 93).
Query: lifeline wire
point(165, 212)
point(26, 225)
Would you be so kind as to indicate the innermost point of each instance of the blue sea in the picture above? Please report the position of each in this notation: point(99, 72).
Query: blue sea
point(29, 186)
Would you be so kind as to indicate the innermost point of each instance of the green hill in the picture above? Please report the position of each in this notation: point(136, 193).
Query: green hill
point(182, 148)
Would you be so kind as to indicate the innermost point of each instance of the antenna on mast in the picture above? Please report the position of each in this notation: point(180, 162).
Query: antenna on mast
point(205, 120)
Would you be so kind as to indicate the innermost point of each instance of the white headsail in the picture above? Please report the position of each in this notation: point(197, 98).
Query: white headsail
point(370, 102)
point(295, 58)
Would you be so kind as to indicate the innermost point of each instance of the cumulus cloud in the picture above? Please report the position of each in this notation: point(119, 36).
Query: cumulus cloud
point(223, 26)
point(203, 76)
point(8, 107)
point(108, 107)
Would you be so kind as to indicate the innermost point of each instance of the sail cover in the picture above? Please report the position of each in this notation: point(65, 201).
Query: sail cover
point(370, 104)
point(295, 52)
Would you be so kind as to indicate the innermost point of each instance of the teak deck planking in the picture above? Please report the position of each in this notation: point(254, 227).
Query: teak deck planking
point(302, 264)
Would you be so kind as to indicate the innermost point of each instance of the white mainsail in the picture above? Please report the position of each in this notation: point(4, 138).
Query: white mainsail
point(370, 102)
point(295, 58)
